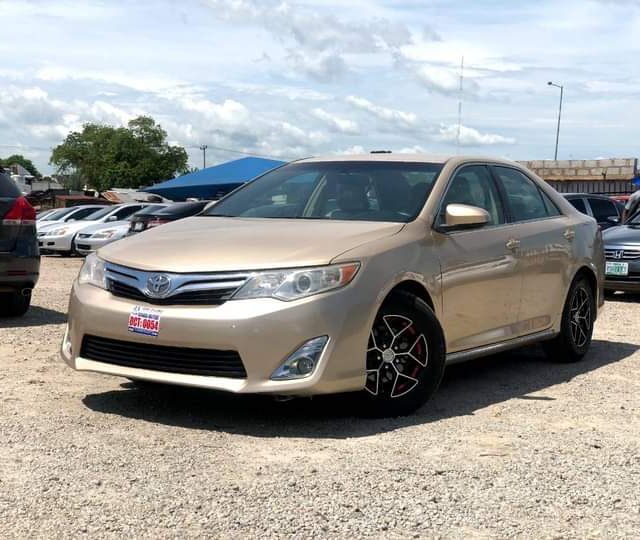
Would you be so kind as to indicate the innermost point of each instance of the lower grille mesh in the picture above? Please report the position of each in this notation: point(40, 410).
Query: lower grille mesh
point(208, 362)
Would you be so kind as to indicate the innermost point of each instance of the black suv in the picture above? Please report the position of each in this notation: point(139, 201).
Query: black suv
point(19, 256)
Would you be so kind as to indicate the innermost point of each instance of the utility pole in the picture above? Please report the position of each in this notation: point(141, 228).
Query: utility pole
point(204, 147)
point(550, 83)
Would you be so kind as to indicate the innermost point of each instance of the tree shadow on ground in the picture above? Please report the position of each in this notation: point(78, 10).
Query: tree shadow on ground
point(36, 316)
point(465, 389)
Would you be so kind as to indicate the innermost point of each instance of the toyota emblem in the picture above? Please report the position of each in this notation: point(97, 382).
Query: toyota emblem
point(158, 285)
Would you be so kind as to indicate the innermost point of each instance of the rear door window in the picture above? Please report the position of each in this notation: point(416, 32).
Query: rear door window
point(602, 209)
point(8, 188)
point(579, 205)
point(525, 199)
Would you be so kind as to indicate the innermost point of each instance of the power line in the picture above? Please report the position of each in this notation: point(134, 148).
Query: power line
point(241, 152)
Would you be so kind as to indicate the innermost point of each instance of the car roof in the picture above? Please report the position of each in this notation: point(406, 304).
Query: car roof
point(593, 195)
point(407, 158)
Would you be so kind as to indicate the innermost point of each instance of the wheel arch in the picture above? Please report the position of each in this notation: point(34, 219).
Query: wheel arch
point(589, 274)
point(414, 288)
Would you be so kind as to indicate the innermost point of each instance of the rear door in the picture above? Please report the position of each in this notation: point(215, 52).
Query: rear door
point(9, 193)
point(542, 247)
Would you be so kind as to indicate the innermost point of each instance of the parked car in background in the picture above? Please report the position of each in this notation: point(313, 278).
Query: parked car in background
point(19, 257)
point(367, 273)
point(622, 250)
point(605, 210)
point(63, 215)
point(41, 215)
point(173, 212)
point(95, 236)
point(59, 237)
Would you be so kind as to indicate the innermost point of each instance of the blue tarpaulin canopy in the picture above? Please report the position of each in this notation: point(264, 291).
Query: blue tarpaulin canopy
point(213, 182)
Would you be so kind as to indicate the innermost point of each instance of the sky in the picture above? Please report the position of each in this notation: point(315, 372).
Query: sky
point(290, 79)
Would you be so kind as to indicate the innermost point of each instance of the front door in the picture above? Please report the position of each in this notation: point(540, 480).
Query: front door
point(480, 281)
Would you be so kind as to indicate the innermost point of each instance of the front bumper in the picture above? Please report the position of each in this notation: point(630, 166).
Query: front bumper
point(628, 283)
point(263, 331)
point(55, 243)
point(84, 246)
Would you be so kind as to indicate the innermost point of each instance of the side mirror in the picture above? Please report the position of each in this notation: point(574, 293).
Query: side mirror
point(614, 219)
point(464, 216)
point(112, 218)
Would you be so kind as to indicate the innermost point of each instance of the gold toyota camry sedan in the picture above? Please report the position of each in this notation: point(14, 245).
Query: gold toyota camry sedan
point(361, 274)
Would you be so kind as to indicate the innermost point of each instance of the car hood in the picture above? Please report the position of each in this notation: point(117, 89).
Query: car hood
point(622, 235)
point(104, 226)
point(205, 244)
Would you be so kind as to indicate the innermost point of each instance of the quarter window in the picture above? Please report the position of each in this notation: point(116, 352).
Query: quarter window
point(525, 199)
point(474, 186)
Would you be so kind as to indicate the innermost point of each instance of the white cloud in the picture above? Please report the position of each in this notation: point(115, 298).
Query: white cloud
point(439, 79)
point(470, 136)
point(316, 41)
point(392, 116)
point(352, 150)
point(335, 123)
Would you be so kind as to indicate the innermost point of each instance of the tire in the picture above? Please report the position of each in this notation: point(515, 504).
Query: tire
point(576, 328)
point(397, 382)
point(14, 304)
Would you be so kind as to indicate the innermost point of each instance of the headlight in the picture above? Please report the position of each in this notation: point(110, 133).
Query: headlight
point(92, 272)
point(104, 234)
point(297, 283)
point(57, 232)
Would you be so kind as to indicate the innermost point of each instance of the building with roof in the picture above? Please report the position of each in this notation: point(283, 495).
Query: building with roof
point(214, 182)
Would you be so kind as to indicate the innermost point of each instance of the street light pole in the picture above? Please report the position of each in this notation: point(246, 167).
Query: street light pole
point(203, 147)
point(555, 157)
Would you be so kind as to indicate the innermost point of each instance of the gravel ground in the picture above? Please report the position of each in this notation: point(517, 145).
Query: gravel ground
point(512, 446)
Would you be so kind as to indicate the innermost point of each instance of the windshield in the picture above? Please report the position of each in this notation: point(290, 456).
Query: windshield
point(359, 191)
point(58, 214)
point(98, 214)
point(146, 210)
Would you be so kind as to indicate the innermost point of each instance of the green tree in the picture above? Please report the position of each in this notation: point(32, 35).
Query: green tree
point(127, 157)
point(21, 160)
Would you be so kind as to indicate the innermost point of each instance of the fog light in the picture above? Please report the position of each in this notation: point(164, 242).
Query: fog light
point(66, 342)
point(302, 362)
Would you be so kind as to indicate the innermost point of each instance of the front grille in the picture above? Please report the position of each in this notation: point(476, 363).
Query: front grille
point(84, 235)
point(622, 254)
point(86, 247)
point(202, 289)
point(207, 362)
point(189, 298)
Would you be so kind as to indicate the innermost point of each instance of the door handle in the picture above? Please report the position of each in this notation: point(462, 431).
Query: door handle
point(569, 234)
point(513, 244)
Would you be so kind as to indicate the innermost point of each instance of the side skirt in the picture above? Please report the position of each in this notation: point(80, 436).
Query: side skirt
point(494, 348)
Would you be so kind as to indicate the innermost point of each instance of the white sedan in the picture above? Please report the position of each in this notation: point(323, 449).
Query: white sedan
point(95, 236)
point(59, 237)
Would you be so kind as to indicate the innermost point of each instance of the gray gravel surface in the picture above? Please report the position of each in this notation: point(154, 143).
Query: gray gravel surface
point(512, 446)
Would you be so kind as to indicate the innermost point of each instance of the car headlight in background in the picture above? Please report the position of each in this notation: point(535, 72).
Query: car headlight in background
point(103, 235)
point(92, 272)
point(57, 232)
point(297, 283)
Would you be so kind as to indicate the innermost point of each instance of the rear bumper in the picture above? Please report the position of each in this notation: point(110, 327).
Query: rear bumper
point(18, 272)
